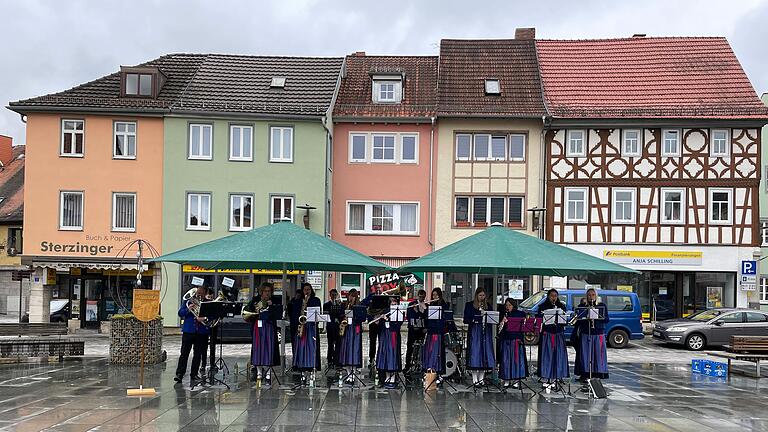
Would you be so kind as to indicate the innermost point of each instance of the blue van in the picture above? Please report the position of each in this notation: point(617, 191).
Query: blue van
point(623, 310)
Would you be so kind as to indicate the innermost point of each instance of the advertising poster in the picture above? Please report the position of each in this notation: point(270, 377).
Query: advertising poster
point(515, 289)
point(92, 310)
point(714, 297)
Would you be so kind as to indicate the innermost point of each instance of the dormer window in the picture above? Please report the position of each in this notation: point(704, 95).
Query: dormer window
point(492, 87)
point(388, 89)
point(277, 82)
point(143, 82)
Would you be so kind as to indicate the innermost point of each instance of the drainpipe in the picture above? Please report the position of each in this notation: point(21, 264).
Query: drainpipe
point(431, 156)
point(547, 123)
point(328, 168)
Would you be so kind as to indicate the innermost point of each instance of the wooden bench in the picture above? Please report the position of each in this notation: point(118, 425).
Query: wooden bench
point(752, 358)
point(45, 346)
point(32, 329)
point(748, 344)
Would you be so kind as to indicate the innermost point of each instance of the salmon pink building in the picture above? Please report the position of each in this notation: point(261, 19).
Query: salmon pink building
point(383, 154)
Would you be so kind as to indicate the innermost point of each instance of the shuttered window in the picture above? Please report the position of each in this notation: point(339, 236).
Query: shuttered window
point(71, 216)
point(124, 212)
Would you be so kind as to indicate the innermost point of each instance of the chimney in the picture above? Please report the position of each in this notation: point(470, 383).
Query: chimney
point(359, 54)
point(638, 35)
point(525, 33)
point(6, 149)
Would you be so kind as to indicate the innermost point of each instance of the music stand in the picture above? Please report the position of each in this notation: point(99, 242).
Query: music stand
point(313, 316)
point(492, 318)
point(556, 316)
point(523, 325)
point(216, 310)
point(590, 314)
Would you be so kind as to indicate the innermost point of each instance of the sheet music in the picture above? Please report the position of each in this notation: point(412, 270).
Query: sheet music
point(555, 316)
point(434, 313)
point(491, 317)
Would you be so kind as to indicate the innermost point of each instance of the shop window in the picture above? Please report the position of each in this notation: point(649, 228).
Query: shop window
point(240, 212)
point(575, 205)
point(200, 141)
point(576, 145)
point(630, 145)
point(241, 143)
point(282, 209)
point(71, 208)
point(517, 147)
point(125, 140)
point(281, 144)
point(124, 212)
point(72, 137)
point(463, 147)
point(199, 212)
point(672, 206)
point(720, 206)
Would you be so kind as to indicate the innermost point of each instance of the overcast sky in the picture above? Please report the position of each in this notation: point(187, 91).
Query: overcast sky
point(49, 46)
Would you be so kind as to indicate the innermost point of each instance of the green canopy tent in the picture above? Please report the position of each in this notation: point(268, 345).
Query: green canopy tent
point(498, 250)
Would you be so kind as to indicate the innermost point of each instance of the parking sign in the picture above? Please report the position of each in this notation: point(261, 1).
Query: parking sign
point(749, 267)
point(748, 280)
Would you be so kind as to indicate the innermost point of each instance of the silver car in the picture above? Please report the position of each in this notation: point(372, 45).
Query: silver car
point(713, 327)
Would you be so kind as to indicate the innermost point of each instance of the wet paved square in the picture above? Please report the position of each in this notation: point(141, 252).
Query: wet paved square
point(660, 395)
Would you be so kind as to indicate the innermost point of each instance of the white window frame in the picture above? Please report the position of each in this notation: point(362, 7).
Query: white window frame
point(679, 135)
point(566, 201)
point(360, 283)
point(73, 133)
point(396, 213)
point(763, 232)
point(727, 148)
point(203, 127)
point(230, 216)
point(375, 135)
point(711, 202)
point(473, 153)
point(125, 136)
point(115, 195)
point(493, 158)
point(456, 146)
point(62, 227)
point(662, 210)
point(639, 150)
point(508, 220)
point(242, 144)
point(492, 86)
point(569, 137)
point(397, 89)
point(281, 158)
point(525, 147)
point(614, 202)
point(199, 195)
point(283, 199)
point(763, 290)
point(352, 136)
point(469, 209)
point(401, 158)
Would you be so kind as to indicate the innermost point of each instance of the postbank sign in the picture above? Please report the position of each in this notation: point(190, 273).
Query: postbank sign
point(634, 257)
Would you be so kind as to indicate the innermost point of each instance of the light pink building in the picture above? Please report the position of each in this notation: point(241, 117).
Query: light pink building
point(384, 146)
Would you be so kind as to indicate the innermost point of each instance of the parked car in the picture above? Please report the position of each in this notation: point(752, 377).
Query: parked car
point(60, 311)
point(713, 327)
point(624, 313)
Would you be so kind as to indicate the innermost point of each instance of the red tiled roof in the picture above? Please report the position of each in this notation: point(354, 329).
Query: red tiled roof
point(662, 77)
point(419, 89)
point(466, 64)
point(12, 188)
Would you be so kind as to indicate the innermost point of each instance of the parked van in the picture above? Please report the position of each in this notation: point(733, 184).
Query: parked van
point(623, 311)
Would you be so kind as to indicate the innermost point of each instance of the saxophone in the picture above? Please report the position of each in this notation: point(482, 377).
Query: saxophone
point(302, 317)
point(344, 323)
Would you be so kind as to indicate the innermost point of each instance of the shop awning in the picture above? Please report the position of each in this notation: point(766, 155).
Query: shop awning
point(65, 266)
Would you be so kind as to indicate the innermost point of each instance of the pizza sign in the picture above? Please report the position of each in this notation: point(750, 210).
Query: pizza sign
point(392, 280)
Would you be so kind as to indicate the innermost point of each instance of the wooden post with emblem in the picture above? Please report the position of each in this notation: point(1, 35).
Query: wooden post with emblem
point(146, 307)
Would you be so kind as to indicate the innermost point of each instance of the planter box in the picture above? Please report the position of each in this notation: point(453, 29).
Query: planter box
point(125, 341)
point(462, 224)
point(481, 224)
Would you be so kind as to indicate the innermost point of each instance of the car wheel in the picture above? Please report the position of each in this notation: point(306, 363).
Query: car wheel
point(618, 339)
point(695, 342)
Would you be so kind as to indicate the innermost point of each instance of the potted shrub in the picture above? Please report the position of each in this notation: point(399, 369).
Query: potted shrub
point(125, 340)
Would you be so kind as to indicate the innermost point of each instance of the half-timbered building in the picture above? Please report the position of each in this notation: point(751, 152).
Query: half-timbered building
point(653, 161)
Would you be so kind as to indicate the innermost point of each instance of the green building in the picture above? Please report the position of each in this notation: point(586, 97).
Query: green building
point(247, 144)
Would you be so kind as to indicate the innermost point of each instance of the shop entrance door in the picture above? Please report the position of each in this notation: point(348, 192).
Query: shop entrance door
point(663, 295)
point(90, 303)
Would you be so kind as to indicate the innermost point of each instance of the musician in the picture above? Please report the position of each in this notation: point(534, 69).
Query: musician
point(388, 356)
point(553, 358)
point(513, 364)
point(416, 315)
point(351, 344)
point(306, 357)
point(262, 314)
point(373, 328)
point(335, 310)
point(480, 353)
point(194, 336)
point(589, 340)
point(292, 312)
point(433, 354)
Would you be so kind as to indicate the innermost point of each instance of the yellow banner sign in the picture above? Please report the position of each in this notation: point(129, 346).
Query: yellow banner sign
point(650, 257)
point(50, 276)
point(146, 304)
point(186, 268)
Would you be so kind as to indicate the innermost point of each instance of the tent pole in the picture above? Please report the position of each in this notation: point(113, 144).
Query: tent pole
point(286, 298)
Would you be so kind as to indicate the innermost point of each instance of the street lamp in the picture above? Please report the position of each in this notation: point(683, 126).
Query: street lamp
point(306, 207)
point(537, 214)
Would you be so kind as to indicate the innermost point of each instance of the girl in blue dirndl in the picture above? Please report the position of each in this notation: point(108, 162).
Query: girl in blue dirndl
point(480, 350)
point(512, 362)
point(264, 349)
point(433, 355)
point(351, 345)
point(388, 355)
point(553, 357)
point(589, 341)
point(306, 356)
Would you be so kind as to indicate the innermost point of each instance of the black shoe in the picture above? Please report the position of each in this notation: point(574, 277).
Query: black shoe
point(178, 378)
point(194, 378)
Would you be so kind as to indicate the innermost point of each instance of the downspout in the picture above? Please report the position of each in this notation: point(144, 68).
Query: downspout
point(328, 168)
point(431, 162)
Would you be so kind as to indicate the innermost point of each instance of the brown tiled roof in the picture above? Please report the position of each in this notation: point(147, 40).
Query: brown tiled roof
point(419, 88)
point(466, 64)
point(12, 188)
point(661, 77)
point(214, 83)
